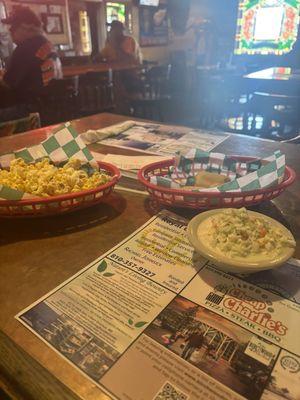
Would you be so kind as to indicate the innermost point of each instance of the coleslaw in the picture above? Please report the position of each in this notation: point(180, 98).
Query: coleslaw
point(237, 233)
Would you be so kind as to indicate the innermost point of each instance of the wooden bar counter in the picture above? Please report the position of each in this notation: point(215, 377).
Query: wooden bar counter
point(72, 70)
point(36, 255)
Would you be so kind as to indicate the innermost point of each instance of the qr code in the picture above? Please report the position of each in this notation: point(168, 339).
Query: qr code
point(170, 392)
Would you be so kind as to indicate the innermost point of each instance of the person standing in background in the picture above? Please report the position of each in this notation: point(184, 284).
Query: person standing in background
point(193, 342)
point(124, 49)
point(120, 47)
point(34, 62)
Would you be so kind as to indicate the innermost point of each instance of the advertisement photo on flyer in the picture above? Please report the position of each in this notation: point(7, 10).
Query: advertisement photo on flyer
point(230, 354)
point(90, 354)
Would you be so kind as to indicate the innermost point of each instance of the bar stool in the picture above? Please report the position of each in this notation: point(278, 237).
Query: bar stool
point(96, 93)
point(225, 103)
point(153, 95)
point(57, 102)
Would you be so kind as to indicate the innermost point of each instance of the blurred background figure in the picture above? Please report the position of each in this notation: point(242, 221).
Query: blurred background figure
point(193, 342)
point(120, 47)
point(34, 62)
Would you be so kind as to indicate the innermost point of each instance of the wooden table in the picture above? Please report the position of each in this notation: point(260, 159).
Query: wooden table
point(37, 255)
point(276, 80)
point(276, 73)
point(72, 70)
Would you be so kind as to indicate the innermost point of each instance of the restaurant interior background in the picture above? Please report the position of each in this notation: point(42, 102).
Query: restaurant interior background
point(195, 72)
point(209, 67)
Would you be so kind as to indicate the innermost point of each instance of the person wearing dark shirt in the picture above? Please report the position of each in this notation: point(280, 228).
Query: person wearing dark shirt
point(34, 62)
point(194, 341)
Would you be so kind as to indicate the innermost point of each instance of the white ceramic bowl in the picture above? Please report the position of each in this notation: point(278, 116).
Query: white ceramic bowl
point(231, 264)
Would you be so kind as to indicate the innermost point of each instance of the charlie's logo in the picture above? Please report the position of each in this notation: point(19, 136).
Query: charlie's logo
point(218, 294)
point(252, 309)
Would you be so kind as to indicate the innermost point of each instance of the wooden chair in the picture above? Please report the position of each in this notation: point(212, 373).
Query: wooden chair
point(279, 112)
point(95, 93)
point(233, 104)
point(32, 121)
point(57, 102)
point(221, 100)
point(153, 95)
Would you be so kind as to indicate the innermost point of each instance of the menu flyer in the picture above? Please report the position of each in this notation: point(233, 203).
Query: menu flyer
point(152, 320)
point(163, 139)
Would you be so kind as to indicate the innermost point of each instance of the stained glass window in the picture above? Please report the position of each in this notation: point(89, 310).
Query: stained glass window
point(267, 26)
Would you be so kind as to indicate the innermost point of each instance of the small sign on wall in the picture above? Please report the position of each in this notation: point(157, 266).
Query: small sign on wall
point(53, 23)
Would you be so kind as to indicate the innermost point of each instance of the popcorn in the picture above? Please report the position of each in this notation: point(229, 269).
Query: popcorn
point(43, 179)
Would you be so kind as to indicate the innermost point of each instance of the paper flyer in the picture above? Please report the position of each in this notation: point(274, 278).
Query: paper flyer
point(152, 320)
point(163, 139)
point(128, 163)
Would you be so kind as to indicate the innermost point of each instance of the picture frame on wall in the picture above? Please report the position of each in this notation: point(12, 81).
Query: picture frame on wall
point(153, 25)
point(53, 24)
point(5, 39)
point(2, 10)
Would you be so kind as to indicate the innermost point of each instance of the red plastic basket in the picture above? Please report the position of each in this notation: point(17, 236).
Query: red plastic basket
point(60, 204)
point(207, 200)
